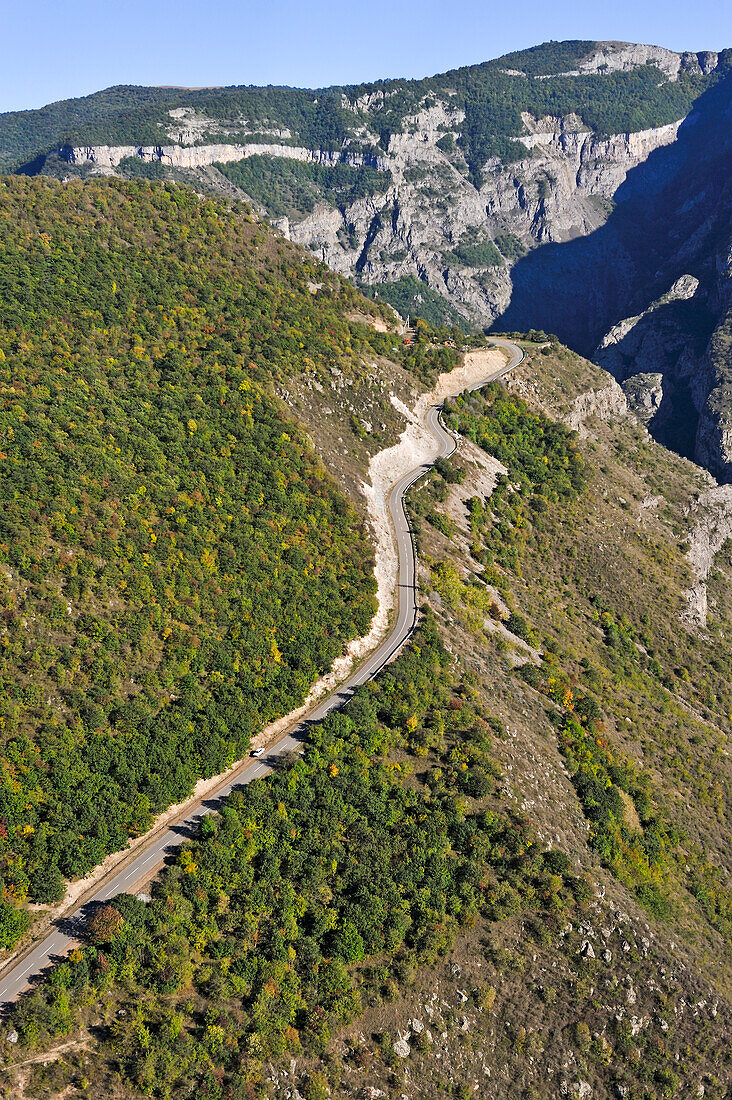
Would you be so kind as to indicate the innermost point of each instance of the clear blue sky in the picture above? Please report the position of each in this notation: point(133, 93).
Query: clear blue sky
point(53, 49)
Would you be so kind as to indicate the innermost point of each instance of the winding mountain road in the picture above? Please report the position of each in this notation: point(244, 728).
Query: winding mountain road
point(141, 865)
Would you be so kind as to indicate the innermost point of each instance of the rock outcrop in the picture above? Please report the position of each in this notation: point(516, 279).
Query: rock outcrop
point(644, 343)
point(604, 404)
point(106, 158)
point(712, 527)
point(644, 394)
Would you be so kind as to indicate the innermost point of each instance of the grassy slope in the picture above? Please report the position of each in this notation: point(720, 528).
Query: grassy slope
point(599, 582)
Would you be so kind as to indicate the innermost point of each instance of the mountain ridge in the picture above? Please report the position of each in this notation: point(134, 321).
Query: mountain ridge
point(142, 111)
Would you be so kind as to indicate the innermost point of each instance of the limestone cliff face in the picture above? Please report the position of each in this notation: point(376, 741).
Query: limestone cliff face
point(463, 233)
point(613, 57)
point(106, 158)
point(561, 191)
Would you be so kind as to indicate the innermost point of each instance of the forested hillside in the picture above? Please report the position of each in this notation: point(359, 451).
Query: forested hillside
point(324, 892)
point(304, 880)
point(176, 566)
point(295, 187)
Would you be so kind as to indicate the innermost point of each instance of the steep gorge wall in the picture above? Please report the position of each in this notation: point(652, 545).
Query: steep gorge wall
point(648, 294)
point(674, 358)
point(562, 191)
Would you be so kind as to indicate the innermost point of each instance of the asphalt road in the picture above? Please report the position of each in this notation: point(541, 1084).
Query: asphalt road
point(144, 863)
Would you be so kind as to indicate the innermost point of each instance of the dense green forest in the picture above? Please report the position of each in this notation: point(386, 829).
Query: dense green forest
point(411, 297)
point(491, 99)
point(548, 59)
point(310, 892)
point(327, 891)
point(176, 567)
point(543, 463)
point(477, 253)
point(291, 188)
